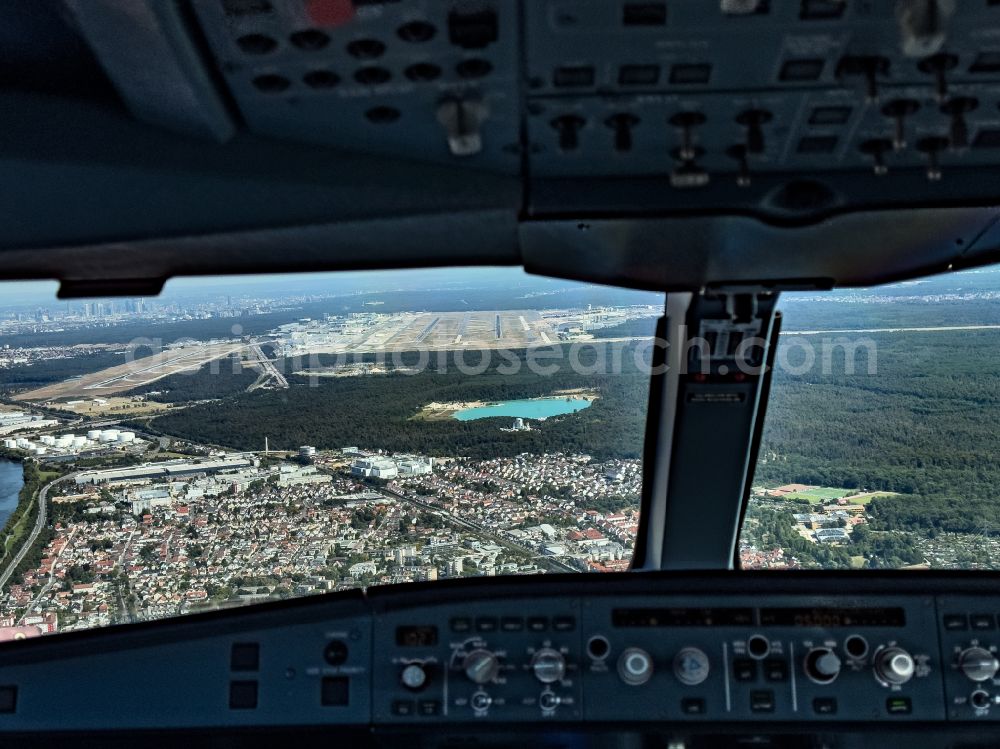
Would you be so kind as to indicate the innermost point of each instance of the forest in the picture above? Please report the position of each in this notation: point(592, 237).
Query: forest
point(377, 412)
point(924, 424)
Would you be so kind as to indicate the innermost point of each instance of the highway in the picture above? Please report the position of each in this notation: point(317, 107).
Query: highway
point(269, 373)
point(40, 520)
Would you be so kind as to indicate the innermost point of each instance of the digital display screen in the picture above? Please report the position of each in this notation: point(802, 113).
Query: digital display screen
point(833, 617)
point(667, 617)
point(416, 637)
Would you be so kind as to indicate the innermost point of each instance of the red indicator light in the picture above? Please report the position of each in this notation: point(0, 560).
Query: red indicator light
point(330, 13)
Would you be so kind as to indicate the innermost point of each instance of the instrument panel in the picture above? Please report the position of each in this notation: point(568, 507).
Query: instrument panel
point(822, 652)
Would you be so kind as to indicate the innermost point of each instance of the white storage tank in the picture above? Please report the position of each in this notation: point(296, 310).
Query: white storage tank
point(94, 435)
point(126, 437)
point(109, 435)
point(23, 443)
point(10, 444)
point(64, 440)
point(39, 450)
point(79, 441)
point(48, 439)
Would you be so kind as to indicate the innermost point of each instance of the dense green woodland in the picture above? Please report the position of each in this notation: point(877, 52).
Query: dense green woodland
point(925, 424)
point(378, 412)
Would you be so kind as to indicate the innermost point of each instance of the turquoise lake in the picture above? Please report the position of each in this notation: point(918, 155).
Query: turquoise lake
point(539, 408)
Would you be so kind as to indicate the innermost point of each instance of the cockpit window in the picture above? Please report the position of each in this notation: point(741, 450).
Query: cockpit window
point(238, 440)
point(880, 442)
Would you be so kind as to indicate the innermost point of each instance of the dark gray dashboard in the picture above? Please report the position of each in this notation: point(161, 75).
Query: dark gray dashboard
point(693, 652)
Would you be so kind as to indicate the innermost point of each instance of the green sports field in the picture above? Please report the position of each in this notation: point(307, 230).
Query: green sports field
point(820, 494)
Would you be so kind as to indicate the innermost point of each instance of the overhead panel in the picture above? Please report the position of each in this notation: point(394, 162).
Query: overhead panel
point(423, 80)
point(839, 96)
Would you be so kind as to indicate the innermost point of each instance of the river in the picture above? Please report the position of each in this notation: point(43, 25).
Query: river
point(11, 481)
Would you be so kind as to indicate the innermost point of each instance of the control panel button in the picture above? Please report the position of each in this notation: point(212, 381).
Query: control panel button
point(894, 665)
point(538, 624)
point(758, 646)
point(461, 624)
point(825, 705)
point(978, 664)
point(335, 652)
point(691, 666)
point(486, 624)
point(956, 622)
point(512, 624)
point(635, 666)
point(335, 691)
point(413, 677)
point(481, 666)
point(563, 624)
point(548, 665)
point(598, 647)
point(744, 669)
point(403, 707)
point(243, 695)
point(983, 621)
point(693, 706)
point(245, 656)
point(762, 701)
point(898, 706)
point(775, 670)
point(428, 708)
point(856, 646)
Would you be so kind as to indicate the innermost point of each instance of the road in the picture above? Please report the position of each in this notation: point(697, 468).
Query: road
point(929, 329)
point(269, 373)
point(561, 566)
point(40, 520)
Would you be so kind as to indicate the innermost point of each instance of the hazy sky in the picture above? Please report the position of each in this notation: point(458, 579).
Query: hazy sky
point(43, 293)
point(17, 293)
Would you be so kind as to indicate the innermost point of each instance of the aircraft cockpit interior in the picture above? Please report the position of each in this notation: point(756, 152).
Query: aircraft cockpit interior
point(490, 373)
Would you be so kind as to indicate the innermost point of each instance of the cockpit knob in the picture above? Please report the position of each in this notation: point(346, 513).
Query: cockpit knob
point(894, 665)
point(923, 25)
point(978, 664)
point(687, 122)
point(635, 666)
point(956, 108)
point(822, 665)
point(938, 66)
point(413, 676)
point(754, 120)
point(899, 110)
point(568, 126)
point(877, 149)
point(622, 123)
point(481, 666)
point(548, 665)
point(739, 153)
point(462, 120)
point(932, 147)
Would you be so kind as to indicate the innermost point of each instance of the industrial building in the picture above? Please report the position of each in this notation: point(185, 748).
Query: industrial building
point(292, 475)
point(164, 470)
point(375, 467)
